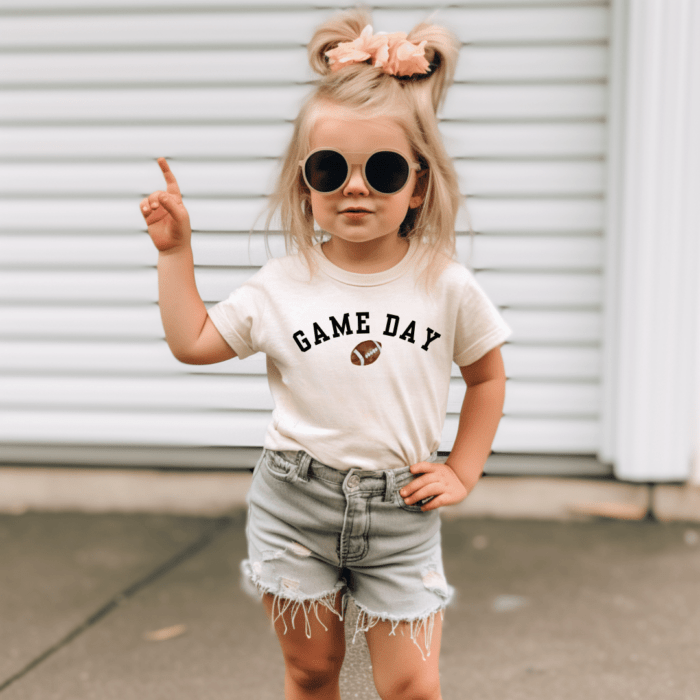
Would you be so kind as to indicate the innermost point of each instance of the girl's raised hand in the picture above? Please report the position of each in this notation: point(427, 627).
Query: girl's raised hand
point(165, 214)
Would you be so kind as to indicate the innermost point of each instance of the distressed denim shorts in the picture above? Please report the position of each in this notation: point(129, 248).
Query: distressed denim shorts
point(314, 531)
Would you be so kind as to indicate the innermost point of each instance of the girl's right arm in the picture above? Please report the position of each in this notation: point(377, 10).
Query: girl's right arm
point(189, 332)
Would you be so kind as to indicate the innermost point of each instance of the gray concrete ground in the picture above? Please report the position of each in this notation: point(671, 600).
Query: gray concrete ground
point(545, 610)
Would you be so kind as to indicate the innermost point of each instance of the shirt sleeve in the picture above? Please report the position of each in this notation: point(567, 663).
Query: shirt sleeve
point(239, 317)
point(480, 327)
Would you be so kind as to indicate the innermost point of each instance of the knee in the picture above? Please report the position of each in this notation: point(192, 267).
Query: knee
point(314, 672)
point(411, 688)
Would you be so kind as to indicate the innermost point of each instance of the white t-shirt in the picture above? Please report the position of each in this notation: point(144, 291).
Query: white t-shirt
point(379, 406)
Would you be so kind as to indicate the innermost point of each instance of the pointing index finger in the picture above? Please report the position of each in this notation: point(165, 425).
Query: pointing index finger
point(172, 186)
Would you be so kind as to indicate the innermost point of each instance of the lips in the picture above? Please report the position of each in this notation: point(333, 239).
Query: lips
point(355, 210)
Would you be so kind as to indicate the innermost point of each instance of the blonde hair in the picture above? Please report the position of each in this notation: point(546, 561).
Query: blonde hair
point(370, 92)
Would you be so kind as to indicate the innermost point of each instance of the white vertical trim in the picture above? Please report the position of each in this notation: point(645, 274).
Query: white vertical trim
point(615, 160)
point(653, 256)
point(692, 219)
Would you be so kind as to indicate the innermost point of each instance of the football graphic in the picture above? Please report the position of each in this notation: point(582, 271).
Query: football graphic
point(366, 353)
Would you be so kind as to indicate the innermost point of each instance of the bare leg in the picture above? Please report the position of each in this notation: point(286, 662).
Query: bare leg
point(312, 665)
point(400, 672)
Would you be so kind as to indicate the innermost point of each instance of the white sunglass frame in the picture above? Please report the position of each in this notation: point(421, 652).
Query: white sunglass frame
point(358, 158)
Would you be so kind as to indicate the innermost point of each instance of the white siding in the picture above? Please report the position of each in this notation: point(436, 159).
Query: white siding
point(92, 92)
point(651, 353)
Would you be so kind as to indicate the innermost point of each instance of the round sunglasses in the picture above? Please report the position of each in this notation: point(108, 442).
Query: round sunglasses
point(327, 170)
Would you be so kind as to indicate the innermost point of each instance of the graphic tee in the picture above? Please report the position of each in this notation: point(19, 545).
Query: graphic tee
point(358, 364)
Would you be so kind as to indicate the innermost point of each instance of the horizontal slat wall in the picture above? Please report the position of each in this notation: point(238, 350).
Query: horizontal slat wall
point(247, 25)
point(580, 141)
point(93, 92)
point(250, 178)
point(249, 67)
point(22, 6)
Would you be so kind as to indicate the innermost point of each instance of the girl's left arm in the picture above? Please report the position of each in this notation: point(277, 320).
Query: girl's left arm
point(478, 421)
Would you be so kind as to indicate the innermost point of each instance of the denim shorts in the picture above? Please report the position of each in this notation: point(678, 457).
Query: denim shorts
point(314, 531)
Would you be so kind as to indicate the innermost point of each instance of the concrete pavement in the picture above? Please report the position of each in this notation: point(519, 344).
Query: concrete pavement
point(148, 606)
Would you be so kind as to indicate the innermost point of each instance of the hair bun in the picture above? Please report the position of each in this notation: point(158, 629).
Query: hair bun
point(346, 26)
point(441, 49)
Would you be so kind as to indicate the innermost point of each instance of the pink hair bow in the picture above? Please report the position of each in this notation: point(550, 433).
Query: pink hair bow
point(393, 53)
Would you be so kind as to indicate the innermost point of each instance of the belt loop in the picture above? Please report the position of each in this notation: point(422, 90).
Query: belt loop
point(261, 459)
point(390, 485)
point(304, 460)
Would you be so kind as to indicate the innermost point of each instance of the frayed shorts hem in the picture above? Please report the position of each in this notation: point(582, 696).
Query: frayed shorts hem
point(287, 599)
point(424, 623)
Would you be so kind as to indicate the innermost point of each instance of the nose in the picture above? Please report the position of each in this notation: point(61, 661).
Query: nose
point(356, 184)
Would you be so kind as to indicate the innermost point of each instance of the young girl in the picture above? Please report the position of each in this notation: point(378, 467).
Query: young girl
point(360, 328)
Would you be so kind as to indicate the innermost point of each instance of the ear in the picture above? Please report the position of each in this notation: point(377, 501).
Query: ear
point(419, 190)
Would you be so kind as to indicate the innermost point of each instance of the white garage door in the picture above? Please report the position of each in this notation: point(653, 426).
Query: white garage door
point(92, 92)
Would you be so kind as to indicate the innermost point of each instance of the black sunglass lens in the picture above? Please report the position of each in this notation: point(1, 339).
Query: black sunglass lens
point(387, 172)
point(326, 170)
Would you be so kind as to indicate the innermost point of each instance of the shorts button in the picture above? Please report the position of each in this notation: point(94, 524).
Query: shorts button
point(353, 481)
